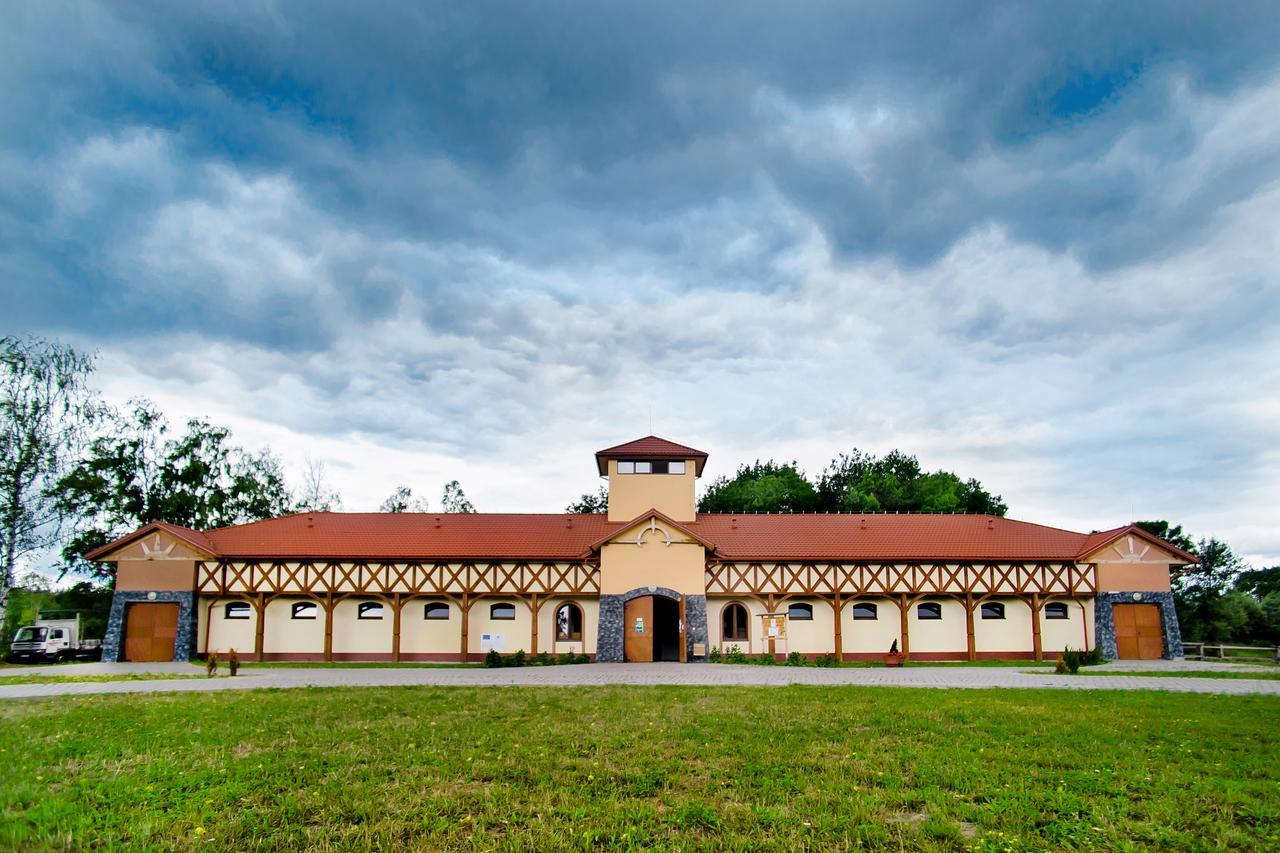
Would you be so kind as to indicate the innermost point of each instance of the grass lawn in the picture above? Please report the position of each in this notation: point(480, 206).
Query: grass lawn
point(1198, 673)
point(668, 767)
point(67, 679)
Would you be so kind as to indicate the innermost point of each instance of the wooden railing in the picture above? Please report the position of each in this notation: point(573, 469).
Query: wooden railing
point(1219, 651)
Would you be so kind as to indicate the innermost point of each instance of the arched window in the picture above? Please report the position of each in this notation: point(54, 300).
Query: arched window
point(304, 610)
point(236, 610)
point(435, 610)
point(864, 610)
point(992, 610)
point(369, 610)
point(569, 623)
point(800, 612)
point(502, 611)
point(1056, 610)
point(929, 610)
point(733, 623)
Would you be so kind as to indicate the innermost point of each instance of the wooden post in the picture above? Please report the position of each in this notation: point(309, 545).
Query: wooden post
point(259, 637)
point(534, 606)
point(684, 646)
point(968, 624)
point(328, 627)
point(772, 642)
point(208, 622)
point(395, 628)
point(836, 605)
point(906, 636)
point(466, 614)
point(1036, 643)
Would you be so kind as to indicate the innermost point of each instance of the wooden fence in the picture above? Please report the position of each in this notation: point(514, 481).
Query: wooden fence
point(1217, 651)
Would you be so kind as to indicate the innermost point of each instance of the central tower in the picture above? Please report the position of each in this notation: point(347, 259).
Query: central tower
point(651, 473)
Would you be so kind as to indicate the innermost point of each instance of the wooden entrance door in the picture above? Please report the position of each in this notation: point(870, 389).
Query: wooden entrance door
point(150, 631)
point(1138, 635)
point(637, 627)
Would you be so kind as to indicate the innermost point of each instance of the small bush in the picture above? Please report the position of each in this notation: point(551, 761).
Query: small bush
point(1071, 658)
point(492, 659)
point(233, 662)
point(825, 661)
point(735, 655)
point(1093, 657)
point(766, 659)
point(714, 656)
point(211, 664)
point(581, 657)
point(1060, 667)
point(796, 659)
point(517, 659)
point(565, 659)
point(542, 659)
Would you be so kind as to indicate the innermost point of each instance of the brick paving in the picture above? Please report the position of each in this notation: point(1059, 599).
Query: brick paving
point(960, 677)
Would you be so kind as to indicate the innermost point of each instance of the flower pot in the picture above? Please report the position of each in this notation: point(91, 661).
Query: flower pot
point(893, 659)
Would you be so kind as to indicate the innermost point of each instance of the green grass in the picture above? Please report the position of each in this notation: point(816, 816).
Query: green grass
point(69, 679)
point(1198, 673)
point(632, 767)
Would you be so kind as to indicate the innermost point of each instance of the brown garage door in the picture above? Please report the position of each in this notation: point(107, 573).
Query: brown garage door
point(150, 631)
point(1138, 634)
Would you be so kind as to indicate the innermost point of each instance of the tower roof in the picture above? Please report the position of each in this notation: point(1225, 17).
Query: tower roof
point(650, 447)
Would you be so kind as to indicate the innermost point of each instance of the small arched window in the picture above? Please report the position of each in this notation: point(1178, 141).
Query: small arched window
point(929, 610)
point(436, 610)
point(992, 610)
point(1056, 610)
point(733, 623)
point(369, 610)
point(236, 610)
point(800, 612)
point(502, 611)
point(864, 610)
point(569, 623)
point(304, 610)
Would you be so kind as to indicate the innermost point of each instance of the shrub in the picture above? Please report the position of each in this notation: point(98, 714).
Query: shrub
point(211, 664)
point(565, 659)
point(542, 659)
point(825, 660)
point(1060, 667)
point(713, 656)
point(796, 659)
point(492, 659)
point(735, 655)
point(581, 657)
point(517, 659)
point(1071, 659)
point(1093, 657)
point(766, 659)
point(233, 662)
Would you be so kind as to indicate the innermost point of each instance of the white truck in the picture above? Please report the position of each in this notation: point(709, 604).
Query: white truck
point(54, 637)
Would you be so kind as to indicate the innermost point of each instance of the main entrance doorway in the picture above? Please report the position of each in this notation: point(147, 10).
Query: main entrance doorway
point(1138, 635)
point(150, 631)
point(652, 629)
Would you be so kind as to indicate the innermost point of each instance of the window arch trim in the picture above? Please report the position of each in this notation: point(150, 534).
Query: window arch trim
point(732, 637)
point(565, 632)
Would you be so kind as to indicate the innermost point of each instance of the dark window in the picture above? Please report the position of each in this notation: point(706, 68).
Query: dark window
point(502, 611)
point(55, 634)
point(369, 610)
point(993, 610)
point(655, 466)
point(436, 610)
point(304, 610)
point(800, 612)
point(236, 610)
point(1056, 610)
point(569, 623)
point(929, 610)
point(734, 622)
point(864, 610)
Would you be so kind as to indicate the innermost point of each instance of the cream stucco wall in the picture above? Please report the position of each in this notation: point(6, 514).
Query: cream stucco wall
point(547, 626)
point(225, 634)
point(670, 494)
point(625, 566)
point(419, 635)
point(516, 633)
point(354, 635)
point(870, 636)
point(1010, 634)
point(285, 635)
point(1058, 634)
point(948, 634)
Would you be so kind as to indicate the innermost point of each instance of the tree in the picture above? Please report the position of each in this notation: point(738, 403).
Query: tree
point(861, 482)
point(1171, 533)
point(402, 500)
point(597, 501)
point(762, 487)
point(134, 473)
point(316, 494)
point(1259, 583)
point(44, 406)
point(453, 500)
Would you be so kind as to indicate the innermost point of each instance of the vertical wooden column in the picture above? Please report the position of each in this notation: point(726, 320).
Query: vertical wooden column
point(259, 637)
point(684, 646)
point(968, 624)
point(533, 614)
point(328, 627)
point(466, 615)
point(836, 606)
point(208, 622)
point(902, 627)
point(769, 605)
point(1036, 643)
point(395, 627)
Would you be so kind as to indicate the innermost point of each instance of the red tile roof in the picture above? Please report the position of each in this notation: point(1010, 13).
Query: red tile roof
point(650, 447)
point(569, 536)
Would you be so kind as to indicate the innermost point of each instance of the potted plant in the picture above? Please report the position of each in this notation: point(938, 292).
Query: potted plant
point(894, 657)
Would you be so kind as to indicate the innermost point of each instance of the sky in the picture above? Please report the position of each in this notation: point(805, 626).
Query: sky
point(1035, 244)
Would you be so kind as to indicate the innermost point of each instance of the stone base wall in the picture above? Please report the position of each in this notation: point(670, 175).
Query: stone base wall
point(609, 640)
point(1105, 624)
point(184, 644)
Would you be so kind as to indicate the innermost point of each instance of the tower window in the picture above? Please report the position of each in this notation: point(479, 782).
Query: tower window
point(655, 466)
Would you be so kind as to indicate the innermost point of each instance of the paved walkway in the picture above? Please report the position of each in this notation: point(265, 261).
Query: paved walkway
point(648, 674)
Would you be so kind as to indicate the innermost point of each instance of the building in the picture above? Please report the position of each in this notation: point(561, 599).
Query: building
point(651, 579)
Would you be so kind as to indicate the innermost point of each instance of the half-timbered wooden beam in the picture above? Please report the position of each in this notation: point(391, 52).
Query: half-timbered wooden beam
point(1036, 644)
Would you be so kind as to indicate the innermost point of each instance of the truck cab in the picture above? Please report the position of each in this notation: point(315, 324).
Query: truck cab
point(52, 640)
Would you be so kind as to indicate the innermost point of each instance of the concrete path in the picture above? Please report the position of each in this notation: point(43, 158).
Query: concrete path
point(648, 674)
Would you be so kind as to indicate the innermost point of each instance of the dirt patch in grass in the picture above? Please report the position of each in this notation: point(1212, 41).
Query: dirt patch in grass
point(634, 767)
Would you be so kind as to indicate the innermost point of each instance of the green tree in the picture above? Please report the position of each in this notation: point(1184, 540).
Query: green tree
point(762, 487)
point(45, 405)
point(895, 482)
point(1171, 533)
point(597, 501)
point(402, 500)
point(135, 472)
point(1259, 582)
point(453, 499)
